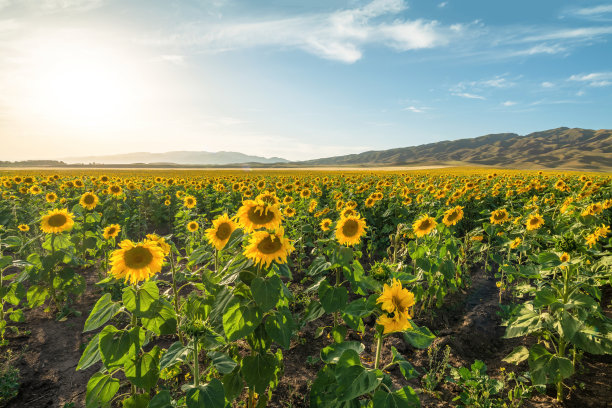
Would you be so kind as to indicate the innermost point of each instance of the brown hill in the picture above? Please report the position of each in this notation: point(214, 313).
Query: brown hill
point(561, 148)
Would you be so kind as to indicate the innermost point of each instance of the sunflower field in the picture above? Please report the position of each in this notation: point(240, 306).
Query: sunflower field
point(213, 289)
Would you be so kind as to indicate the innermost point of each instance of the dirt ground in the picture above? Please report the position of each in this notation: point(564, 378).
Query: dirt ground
point(47, 356)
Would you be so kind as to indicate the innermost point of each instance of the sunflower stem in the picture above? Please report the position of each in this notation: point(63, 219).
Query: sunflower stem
point(52, 275)
point(378, 350)
point(175, 296)
point(196, 363)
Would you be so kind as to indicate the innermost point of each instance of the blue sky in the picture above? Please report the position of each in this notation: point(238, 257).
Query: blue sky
point(296, 79)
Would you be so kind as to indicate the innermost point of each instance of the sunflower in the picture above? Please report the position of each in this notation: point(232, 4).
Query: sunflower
point(499, 216)
point(265, 247)
point(89, 201)
point(288, 200)
point(23, 227)
point(193, 226)
point(394, 298)
point(269, 198)
point(534, 222)
point(349, 230)
point(256, 214)
point(394, 322)
point(565, 257)
point(167, 203)
point(453, 216)
point(325, 224)
point(221, 231)
point(115, 190)
point(424, 225)
point(190, 201)
point(136, 262)
point(111, 231)
point(160, 242)
point(289, 212)
point(517, 241)
point(348, 212)
point(57, 221)
point(51, 197)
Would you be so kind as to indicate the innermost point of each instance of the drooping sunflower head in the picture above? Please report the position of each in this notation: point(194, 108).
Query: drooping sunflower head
point(424, 225)
point(193, 226)
point(256, 214)
point(499, 216)
point(89, 201)
point(265, 247)
point(221, 231)
point(111, 231)
point(349, 212)
point(269, 198)
point(517, 241)
point(453, 216)
point(160, 242)
point(190, 201)
point(394, 298)
point(23, 227)
point(57, 221)
point(534, 222)
point(136, 262)
point(349, 230)
point(325, 224)
point(394, 322)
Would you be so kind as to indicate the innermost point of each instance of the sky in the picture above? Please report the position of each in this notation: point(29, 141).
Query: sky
point(294, 79)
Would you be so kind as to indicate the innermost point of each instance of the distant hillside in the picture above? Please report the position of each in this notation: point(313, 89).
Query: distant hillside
point(562, 148)
point(179, 157)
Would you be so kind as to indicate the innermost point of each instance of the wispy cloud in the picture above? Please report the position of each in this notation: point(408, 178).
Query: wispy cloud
point(415, 109)
point(443, 4)
point(595, 79)
point(509, 103)
point(469, 95)
point(547, 84)
point(593, 11)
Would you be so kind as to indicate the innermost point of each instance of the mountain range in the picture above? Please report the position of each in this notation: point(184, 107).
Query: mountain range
point(177, 157)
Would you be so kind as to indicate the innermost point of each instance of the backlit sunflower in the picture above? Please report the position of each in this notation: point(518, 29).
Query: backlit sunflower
point(57, 221)
point(190, 201)
point(193, 226)
point(111, 231)
point(325, 224)
point(394, 322)
point(256, 214)
point(499, 216)
point(424, 225)
point(89, 201)
point(160, 242)
point(349, 230)
point(265, 247)
point(394, 298)
point(136, 262)
point(221, 231)
point(23, 227)
point(534, 222)
point(453, 216)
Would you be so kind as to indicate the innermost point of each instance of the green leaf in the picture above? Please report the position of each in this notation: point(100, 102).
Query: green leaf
point(280, 327)
point(313, 311)
point(15, 293)
point(258, 371)
point(119, 346)
point(161, 400)
point(332, 298)
point(91, 355)
point(525, 322)
point(160, 318)
point(36, 296)
point(407, 370)
point(403, 398)
point(136, 401)
point(240, 320)
point(102, 312)
point(233, 385)
point(139, 301)
point(331, 354)
point(143, 371)
point(266, 292)
point(223, 363)
point(210, 395)
point(545, 297)
point(101, 388)
point(419, 337)
point(518, 355)
point(318, 266)
point(547, 368)
point(354, 381)
point(176, 353)
point(359, 308)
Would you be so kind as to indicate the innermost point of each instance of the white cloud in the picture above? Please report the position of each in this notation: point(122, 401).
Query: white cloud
point(443, 4)
point(595, 79)
point(569, 33)
point(469, 95)
point(339, 35)
point(547, 84)
point(173, 59)
point(590, 11)
point(415, 109)
point(509, 103)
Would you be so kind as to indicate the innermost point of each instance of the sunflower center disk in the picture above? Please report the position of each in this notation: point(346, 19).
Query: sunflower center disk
point(57, 220)
point(223, 231)
point(350, 228)
point(138, 258)
point(260, 216)
point(88, 199)
point(269, 246)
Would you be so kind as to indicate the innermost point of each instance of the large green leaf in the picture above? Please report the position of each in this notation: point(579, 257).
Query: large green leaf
point(403, 398)
point(139, 301)
point(354, 381)
point(91, 355)
point(266, 292)
point(175, 354)
point(210, 395)
point(525, 322)
point(547, 368)
point(419, 337)
point(407, 370)
point(102, 312)
point(118, 346)
point(160, 318)
point(332, 298)
point(280, 327)
point(518, 355)
point(223, 363)
point(161, 400)
point(258, 371)
point(240, 320)
point(331, 354)
point(143, 371)
point(101, 388)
